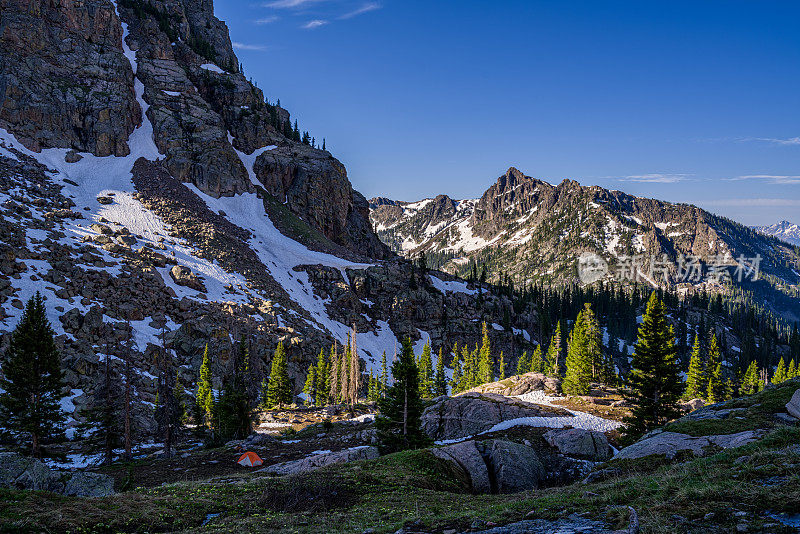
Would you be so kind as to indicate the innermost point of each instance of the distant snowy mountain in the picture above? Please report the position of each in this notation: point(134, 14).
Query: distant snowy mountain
point(783, 230)
point(534, 232)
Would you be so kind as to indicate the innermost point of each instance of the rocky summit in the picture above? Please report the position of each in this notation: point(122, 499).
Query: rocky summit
point(536, 232)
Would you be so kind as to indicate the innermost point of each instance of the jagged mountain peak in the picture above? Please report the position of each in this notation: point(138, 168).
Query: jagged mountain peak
point(534, 231)
point(783, 230)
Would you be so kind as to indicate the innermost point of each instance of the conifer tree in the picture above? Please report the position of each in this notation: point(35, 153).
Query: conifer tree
point(354, 383)
point(440, 379)
point(716, 382)
point(594, 345)
point(536, 363)
point(791, 372)
point(425, 367)
point(458, 372)
point(554, 353)
point(333, 372)
point(310, 387)
point(485, 372)
point(780, 373)
point(102, 425)
point(751, 383)
point(578, 376)
point(204, 400)
point(232, 413)
point(32, 381)
point(398, 424)
point(696, 380)
point(321, 377)
point(654, 384)
point(468, 376)
point(524, 363)
point(279, 390)
point(384, 376)
point(501, 367)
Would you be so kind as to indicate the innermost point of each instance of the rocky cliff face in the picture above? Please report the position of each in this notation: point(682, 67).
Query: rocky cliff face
point(65, 81)
point(534, 231)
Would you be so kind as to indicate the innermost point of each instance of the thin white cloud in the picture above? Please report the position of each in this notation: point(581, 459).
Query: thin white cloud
point(365, 8)
point(790, 141)
point(777, 179)
point(290, 4)
point(266, 20)
point(753, 202)
point(312, 24)
point(655, 178)
point(245, 46)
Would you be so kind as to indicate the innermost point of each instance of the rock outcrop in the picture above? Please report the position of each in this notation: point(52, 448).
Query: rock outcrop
point(580, 443)
point(317, 461)
point(793, 406)
point(521, 384)
point(19, 472)
point(670, 444)
point(495, 466)
point(472, 413)
point(64, 81)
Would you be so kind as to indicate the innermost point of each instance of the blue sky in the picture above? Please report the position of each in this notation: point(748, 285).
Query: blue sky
point(693, 102)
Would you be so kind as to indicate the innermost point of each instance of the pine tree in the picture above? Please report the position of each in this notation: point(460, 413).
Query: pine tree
point(751, 383)
point(425, 367)
point(279, 390)
point(485, 372)
point(578, 376)
point(204, 400)
point(780, 373)
point(524, 363)
point(716, 382)
point(310, 387)
point(102, 426)
point(384, 376)
point(696, 380)
point(791, 372)
point(594, 345)
point(458, 371)
point(321, 377)
point(469, 371)
point(344, 375)
point(654, 384)
point(354, 383)
point(32, 381)
point(232, 412)
point(536, 363)
point(501, 367)
point(554, 353)
point(400, 411)
point(440, 379)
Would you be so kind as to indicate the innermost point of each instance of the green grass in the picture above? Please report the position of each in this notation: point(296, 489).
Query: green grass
point(401, 488)
point(398, 489)
point(753, 412)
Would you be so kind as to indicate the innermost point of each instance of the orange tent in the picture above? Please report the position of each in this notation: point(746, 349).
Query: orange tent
point(250, 459)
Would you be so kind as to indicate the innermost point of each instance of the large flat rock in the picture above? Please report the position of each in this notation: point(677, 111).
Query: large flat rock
point(472, 413)
point(669, 444)
point(793, 406)
point(317, 461)
point(585, 444)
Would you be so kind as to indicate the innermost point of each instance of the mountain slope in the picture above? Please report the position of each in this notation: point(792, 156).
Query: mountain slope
point(159, 203)
point(535, 232)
